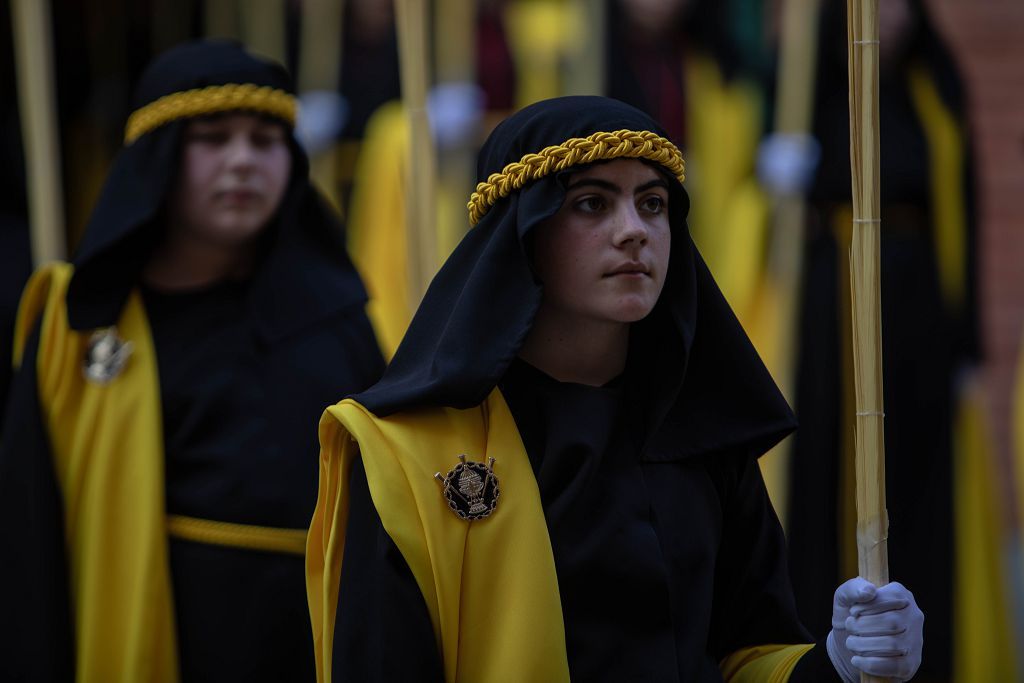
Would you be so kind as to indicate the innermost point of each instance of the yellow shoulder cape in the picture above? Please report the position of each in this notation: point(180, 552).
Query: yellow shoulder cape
point(490, 585)
point(114, 516)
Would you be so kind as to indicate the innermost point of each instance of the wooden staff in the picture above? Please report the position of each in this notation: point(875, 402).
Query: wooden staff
point(793, 115)
point(865, 285)
point(31, 28)
point(320, 54)
point(585, 69)
point(420, 208)
point(262, 25)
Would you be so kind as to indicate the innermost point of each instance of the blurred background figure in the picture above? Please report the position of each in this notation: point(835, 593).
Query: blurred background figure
point(159, 459)
point(939, 465)
point(680, 62)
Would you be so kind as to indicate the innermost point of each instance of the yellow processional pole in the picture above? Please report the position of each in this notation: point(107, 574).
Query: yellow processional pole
point(262, 27)
point(865, 285)
point(793, 115)
point(30, 26)
point(421, 182)
point(320, 55)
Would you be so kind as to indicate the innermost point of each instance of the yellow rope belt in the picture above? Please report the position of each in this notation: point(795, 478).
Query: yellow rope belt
point(601, 146)
point(210, 100)
point(250, 537)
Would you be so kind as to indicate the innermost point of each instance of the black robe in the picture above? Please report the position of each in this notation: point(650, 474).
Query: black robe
point(239, 415)
point(665, 564)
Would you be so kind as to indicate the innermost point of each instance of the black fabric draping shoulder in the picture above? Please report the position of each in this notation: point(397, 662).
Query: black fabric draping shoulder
point(303, 246)
point(712, 391)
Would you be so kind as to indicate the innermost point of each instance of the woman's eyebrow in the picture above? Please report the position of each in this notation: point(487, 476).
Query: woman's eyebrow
point(656, 182)
point(595, 182)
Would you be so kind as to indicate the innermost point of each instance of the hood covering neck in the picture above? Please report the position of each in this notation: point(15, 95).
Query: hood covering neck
point(707, 389)
point(304, 241)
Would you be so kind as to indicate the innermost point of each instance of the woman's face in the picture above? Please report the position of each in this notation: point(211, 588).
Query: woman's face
point(234, 171)
point(604, 255)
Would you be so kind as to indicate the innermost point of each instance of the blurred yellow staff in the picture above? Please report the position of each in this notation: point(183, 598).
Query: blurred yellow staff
point(455, 47)
point(585, 70)
point(31, 28)
point(263, 24)
point(793, 116)
point(865, 285)
point(319, 69)
point(421, 182)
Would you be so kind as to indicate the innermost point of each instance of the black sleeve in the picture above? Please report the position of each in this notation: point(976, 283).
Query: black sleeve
point(35, 611)
point(753, 601)
point(382, 632)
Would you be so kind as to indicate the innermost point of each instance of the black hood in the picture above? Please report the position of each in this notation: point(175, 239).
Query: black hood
point(123, 230)
point(708, 389)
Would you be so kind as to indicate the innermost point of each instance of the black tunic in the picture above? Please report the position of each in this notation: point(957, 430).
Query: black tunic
point(664, 568)
point(239, 418)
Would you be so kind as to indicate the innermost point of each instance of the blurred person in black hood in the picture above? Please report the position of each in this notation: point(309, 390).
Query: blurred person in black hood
point(929, 322)
point(557, 475)
point(158, 469)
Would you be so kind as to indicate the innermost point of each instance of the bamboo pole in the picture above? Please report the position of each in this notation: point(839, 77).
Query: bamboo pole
point(872, 519)
point(585, 69)
point(455, 39)
point(263, 28)
point(37, 105)
point(420, 209)
point(221, 19)
point(320, 54)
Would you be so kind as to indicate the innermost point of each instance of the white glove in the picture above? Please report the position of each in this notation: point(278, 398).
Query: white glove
point(786, 162)
point(878, 631)
point(455, 111)
point(322, 115)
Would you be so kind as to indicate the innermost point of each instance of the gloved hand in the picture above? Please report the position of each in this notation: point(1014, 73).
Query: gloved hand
point(879, 631)
point(786, 162)
point(455, 111)
point(322, 115)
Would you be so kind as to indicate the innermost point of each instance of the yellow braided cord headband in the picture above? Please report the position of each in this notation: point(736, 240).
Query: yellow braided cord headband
point(600, 146)
point(210, 100)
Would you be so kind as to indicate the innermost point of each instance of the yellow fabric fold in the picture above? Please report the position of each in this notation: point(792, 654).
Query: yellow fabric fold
point(948, 203)
point(763, 663)
point(106, 440)
point(983, 627)
point(490, 586)
point(377, 240)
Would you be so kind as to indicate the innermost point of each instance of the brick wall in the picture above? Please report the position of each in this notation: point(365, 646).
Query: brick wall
point(987, 37)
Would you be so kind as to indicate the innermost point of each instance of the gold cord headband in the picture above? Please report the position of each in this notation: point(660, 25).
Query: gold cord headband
point(628, 144)
point(210, 100)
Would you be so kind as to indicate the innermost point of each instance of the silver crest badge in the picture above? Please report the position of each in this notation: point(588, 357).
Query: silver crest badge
point(471, 489)
point(106, 356)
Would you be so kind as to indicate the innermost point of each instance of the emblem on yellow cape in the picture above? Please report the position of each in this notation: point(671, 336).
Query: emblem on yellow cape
point(471, 489)
point(105, 357)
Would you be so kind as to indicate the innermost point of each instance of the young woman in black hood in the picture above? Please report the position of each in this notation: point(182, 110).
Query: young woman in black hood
point(157, 471)
point(557, 476)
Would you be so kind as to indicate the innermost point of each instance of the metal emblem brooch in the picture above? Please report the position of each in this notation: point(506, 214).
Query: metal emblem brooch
point(105, 357)
point(471, 489)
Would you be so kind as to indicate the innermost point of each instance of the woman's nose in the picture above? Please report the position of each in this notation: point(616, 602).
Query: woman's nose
point(629, 227)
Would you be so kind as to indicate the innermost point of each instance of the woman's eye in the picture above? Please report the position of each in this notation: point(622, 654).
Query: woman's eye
point(590, 204)
point(265, 139)
point(652, 204)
